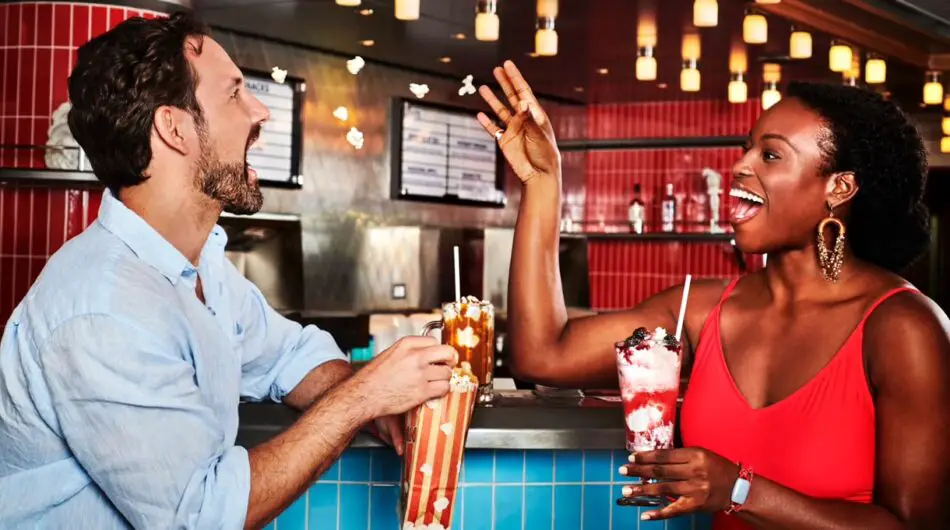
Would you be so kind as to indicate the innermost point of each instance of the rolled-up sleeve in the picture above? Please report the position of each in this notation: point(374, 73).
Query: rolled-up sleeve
point(277, 352)
point(132, 415)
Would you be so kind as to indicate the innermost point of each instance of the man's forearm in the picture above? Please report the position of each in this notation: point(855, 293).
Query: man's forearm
point(282, 468)
point(317, 383)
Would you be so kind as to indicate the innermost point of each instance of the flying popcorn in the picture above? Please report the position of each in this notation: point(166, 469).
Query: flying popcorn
point(278, 75)
point(355, 64)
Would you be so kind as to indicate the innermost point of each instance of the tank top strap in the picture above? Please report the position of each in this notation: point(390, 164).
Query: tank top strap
point(883, 298)
point(709, 333)
point(728, 290)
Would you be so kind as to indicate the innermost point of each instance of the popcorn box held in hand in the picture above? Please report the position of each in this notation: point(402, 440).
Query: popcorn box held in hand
point(435, 442)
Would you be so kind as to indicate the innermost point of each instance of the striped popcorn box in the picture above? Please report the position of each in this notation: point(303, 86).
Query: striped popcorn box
point(435, 443)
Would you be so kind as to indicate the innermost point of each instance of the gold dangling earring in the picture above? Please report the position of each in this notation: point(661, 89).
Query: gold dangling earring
point(831, 261)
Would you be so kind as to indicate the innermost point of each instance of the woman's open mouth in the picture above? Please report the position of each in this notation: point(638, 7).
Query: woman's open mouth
point(743, 205)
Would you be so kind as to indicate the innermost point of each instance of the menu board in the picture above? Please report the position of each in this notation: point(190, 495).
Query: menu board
point(441, 154)
point(276, 154)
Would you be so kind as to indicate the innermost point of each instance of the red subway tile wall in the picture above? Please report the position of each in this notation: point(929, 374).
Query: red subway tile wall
point(35, 221)
point(38, 43)
point(624, 273)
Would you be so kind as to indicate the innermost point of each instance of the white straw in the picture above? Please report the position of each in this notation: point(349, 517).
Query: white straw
point(458, 283)
point(679, 322)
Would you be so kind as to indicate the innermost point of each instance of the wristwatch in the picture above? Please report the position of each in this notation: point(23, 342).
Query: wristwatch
point(740, 490)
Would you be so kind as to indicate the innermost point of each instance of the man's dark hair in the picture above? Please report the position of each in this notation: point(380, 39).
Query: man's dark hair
point(120, 79)
point(889, 225)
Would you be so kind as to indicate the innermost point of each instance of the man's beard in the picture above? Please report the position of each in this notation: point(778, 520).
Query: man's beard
point(227, 183)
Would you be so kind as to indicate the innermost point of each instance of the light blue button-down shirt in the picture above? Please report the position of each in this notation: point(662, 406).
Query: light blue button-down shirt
point(119, 388)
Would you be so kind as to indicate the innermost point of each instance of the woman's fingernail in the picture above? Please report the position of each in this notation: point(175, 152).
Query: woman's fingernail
point(622, 470)
point(632, 458)
point(523, 105)
point(646, 516)
point(627, 491)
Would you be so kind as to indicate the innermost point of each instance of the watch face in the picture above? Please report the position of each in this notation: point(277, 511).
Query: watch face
point(740, 491)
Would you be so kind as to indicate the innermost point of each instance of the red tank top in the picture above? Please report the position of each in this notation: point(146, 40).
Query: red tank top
point(818, 441)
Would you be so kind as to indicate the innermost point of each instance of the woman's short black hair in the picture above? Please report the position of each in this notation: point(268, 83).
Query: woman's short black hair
point(120, 79)
point(872, 137)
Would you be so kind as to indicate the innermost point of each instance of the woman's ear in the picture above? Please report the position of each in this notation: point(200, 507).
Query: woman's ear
point(841, 188)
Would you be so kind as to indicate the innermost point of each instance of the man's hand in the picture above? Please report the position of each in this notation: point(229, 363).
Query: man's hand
point(409, 373)
point(391, 430)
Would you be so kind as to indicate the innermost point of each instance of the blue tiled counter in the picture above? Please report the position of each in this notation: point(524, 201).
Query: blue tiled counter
point(509, 487)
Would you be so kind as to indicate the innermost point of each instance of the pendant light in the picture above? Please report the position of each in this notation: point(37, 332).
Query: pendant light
point(738, 89)
point(487, 24)
point(545, 38)
point(875, 70)
point(755, 28)
point(799, 44)
point(407, 9)
point(705, 13)
point(839, 57)
point(933, 89)
point(646, 42)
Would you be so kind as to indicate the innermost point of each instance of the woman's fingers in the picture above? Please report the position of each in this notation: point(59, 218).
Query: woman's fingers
point(665, 471)
point(489, 125)
point(496, 105)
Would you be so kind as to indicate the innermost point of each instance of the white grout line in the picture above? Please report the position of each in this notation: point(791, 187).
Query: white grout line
point(339, 492)
point(553, 488)
point(36, 17)
point(494, 476)
point(610, 496)
point(49, 204)
point(369, 495)
point(29, 242)
point(306, 508)
point(524, 488)
point(583, 489)
point(16, 125)
point(16, 207)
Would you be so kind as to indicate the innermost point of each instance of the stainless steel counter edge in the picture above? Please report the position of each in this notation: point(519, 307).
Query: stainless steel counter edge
point(519, 423)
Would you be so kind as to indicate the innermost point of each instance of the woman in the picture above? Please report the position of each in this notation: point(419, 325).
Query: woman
point(823, 380)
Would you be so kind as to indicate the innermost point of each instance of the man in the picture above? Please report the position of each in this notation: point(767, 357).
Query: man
point(122, 368)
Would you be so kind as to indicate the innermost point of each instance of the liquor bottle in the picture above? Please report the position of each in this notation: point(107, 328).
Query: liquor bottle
point(668, 210)
point(636, 212)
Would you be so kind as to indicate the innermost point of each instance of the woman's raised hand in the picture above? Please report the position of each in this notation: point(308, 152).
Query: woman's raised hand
point(525, 136)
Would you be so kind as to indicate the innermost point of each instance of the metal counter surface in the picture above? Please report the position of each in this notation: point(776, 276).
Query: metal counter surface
point(516, 420)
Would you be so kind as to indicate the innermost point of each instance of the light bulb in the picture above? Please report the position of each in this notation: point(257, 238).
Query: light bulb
point(738, 89)
point(771, 72)
point(770, 96)
point(487, 24)
point(945, 125)
point(946, 104)
point(407, 9)
point(875, 70)
point(755, 29)
point(933, 89)
point(545, 42)
point(646, 64)
point(799, 44)
point(945, 144)
point(690, 78)
point(839, 57)
point(705, 13)
point(348, 3)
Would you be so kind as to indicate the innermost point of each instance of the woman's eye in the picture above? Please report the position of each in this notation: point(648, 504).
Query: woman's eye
point(769, 155)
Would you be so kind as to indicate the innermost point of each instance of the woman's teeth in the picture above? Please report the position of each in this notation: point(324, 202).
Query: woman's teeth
point(746, 196)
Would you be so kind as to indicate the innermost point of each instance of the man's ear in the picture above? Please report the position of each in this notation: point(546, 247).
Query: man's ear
point(173, 126)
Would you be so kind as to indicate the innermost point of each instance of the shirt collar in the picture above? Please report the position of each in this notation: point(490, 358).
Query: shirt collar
point(149, 245)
